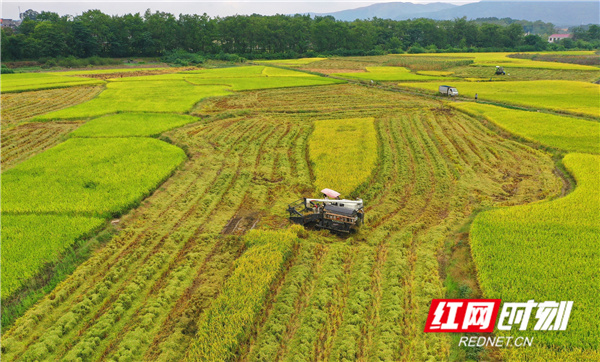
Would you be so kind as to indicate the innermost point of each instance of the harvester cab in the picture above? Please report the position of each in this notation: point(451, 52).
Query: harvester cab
point(329, 212)
point(500, 70)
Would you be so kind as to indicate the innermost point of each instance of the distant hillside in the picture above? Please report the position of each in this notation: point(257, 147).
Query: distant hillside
point(398, 11)
point(562, 13)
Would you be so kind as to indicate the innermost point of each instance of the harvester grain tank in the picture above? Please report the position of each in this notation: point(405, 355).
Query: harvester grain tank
point(329, 212)
point(448, 91)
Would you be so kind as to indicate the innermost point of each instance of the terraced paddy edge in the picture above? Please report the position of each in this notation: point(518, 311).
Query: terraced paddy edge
point(516, 249)
point(140, 296)
point(20, 107)
point(558, 95)
point(23, 82)
point(344, 153)
point(565, 133)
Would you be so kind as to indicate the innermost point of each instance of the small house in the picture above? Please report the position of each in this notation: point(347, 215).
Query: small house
point(558, 37)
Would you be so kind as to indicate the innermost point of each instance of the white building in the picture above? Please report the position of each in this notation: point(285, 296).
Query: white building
point(558, 37)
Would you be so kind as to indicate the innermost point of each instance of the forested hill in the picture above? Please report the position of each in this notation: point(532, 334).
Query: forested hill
point(561, 13)
point(93, 33)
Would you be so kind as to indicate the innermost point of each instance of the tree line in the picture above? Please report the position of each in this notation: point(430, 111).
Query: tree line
point(95, 34)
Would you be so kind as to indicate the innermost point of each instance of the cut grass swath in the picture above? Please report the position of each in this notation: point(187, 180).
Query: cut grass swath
point(227, 322)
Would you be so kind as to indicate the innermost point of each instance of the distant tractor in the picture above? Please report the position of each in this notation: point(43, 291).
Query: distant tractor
point(448, 91)
point(500, 70)
point(329, 213)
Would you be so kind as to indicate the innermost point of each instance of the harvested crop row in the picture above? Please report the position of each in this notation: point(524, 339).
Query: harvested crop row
point(19, 107)
point(226, 323)
point(25, 141)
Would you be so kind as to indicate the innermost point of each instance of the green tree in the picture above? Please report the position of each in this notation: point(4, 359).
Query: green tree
point(50, 39)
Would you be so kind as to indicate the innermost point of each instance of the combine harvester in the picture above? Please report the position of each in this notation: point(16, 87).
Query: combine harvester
point(329, 213)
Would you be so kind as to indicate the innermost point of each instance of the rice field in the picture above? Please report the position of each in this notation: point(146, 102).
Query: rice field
point(388, 74)
point(344, 153)
point(542, 251)
point(132, 125)
point(562, 132)
point(503, 59)
point(185, 179)
point(22, 82)
point(557, 95)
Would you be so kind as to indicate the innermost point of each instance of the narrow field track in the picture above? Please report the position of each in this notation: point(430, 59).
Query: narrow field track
point(364, 297)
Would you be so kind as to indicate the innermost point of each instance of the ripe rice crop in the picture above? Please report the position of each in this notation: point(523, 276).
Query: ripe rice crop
point(22, 82)
point(141, 296)
point(550, 94)
point(243, 84)
point(290, 62)
point(132, 125)
point(343, 153)
point(31, 241)
point(134, 96)
point(107, 71)
point(279, 72)
point(20, 107)
point(502, 59)
point(179, 92)
point(97, 177)
point(228, 321)
point(434, 72)
point(428, 63)
point(544, 251)
point(565, 133)
point(231, 72)
point(488, 73)
point(26, 140)
point(386, 74)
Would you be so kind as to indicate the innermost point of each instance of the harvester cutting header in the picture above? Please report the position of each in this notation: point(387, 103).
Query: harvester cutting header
point(328, 213)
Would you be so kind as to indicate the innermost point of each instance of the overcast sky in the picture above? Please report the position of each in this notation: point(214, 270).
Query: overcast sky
point(10, 9)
